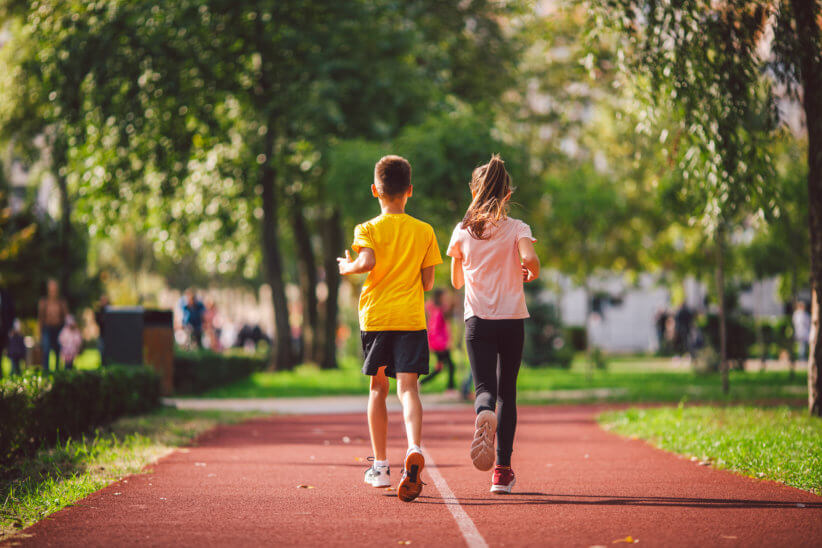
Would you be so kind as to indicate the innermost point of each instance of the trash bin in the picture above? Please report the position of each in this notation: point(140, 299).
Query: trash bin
point(123, 341)
point(158, 346)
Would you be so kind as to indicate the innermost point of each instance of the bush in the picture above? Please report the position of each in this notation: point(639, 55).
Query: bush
point(198, 371)
point(38, 410)
point(577, 337)
point(740, 335)
point(544, 343)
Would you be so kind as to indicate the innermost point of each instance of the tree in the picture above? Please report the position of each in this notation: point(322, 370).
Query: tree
point(702, 63)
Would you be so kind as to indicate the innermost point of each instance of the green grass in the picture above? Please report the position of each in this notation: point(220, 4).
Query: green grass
point(777, 443)
point(635, 378)
point(88, 359)
point(55, 478)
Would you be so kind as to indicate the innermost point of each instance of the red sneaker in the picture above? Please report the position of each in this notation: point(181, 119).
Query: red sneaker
point(504, 479)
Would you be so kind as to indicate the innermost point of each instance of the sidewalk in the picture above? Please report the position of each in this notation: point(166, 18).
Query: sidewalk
point(356, 404)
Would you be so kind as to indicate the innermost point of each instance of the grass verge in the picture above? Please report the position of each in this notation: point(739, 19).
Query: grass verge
point(55, 478)
point(780, 444)
point(636, 379)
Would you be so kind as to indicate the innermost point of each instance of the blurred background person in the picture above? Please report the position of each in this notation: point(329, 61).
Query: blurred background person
point(51, 315)
point(6, 319)
point(683, 320)
point(193, 311)
point(801, 330)
point(100, 320)
point(439, 337)
point(71, 342)
point(211, 325)
point(17, 347)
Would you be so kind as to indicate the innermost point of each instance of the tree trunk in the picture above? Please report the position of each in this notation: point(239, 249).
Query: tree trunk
point(59, 156)
point(284, 357)
point(720, 290)
point(810, 73)
point(333, 247)
point(307, 265)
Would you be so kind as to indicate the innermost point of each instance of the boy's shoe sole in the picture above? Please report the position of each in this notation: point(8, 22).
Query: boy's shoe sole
point(482, 446)
point(503, 489)
point(380, 482)
point(410, 486)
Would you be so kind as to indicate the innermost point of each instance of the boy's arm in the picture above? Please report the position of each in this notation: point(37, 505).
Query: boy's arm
point(427, 278)
point(457, 275)
point(364, 262)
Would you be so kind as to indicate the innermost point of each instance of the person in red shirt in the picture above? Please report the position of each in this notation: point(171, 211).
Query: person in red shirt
point(439, 337)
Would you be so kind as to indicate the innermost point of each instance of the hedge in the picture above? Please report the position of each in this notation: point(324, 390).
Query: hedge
point(38, 410)
point(198, 371)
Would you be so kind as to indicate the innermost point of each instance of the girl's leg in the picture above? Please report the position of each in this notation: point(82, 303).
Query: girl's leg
point(378, 414)
point(511, 339)
point(68, 364)
point(15, 366)
point(481, 344)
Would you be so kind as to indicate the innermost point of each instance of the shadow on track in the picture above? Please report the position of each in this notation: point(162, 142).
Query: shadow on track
point(546, 499)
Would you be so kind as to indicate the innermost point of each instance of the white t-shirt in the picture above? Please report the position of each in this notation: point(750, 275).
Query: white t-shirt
point(801, 325)
point(493, 271)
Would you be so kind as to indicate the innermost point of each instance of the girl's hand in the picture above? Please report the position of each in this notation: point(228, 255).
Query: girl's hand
point(345, 263)
point(527, 275)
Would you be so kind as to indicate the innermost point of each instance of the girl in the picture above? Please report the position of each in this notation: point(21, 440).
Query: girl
point(492, 255)
point(439, 338)
point(71, 342)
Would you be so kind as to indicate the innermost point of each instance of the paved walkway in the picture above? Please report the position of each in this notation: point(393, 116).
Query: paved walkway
point(358, 404)
point(297, 480)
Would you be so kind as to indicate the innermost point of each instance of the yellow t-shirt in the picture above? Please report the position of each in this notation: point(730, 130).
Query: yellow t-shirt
point(392, 297)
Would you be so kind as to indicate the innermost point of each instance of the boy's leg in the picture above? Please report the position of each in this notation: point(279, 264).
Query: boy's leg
point(409, 394)
point(378, 414)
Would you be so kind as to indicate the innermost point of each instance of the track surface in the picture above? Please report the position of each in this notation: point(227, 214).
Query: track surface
point(577, 486)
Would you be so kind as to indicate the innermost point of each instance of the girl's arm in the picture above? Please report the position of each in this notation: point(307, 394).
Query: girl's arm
point(457, 275)
point(530, 261)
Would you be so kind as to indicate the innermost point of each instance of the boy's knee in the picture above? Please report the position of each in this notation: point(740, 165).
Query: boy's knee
point(379, 387)
point(407, 383)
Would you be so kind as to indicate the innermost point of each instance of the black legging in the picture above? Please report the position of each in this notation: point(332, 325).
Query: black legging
point(495, 351)
point(443, 357)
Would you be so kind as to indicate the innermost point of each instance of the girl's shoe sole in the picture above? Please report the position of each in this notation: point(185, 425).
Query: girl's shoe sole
point(411, 485)
point(504, 489)
point(482, 446)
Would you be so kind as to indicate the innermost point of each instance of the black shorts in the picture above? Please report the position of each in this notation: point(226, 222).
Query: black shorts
point(398, 351)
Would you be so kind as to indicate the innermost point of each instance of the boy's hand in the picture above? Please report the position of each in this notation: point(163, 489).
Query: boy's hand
point(345, 263)
point(527, 276)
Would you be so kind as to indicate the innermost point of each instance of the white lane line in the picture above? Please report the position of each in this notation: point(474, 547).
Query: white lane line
point(469, 531)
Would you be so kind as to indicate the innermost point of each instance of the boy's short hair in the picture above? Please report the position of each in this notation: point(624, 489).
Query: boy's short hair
point(392, 175)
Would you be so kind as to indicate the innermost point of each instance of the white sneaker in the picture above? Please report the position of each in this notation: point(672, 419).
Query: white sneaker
point(482, 446)
point(378, 477)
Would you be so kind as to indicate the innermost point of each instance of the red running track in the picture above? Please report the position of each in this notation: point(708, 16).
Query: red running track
point(577, 486)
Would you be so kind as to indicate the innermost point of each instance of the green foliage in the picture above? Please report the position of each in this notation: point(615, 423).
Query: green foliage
point(779, 444)
point(544, 340)
point(44, 409)
point(584, 224)
point(37, 257)
point(198, 371)
point(702, 70)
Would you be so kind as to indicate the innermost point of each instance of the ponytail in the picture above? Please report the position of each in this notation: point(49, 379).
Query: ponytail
point(490, 184)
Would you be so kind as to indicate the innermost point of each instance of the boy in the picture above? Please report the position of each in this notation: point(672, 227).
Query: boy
point(399, 253)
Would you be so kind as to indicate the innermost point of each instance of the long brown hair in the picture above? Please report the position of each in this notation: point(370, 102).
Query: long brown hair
point(490, 184)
